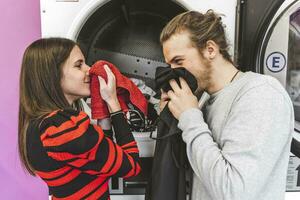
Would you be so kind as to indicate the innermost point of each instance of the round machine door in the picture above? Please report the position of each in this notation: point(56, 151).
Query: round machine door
point(279, 56)
point(126, 33)
point(280, 52)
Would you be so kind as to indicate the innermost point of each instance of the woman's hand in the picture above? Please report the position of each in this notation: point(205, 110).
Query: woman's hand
point(181, 99)
point(108, 90)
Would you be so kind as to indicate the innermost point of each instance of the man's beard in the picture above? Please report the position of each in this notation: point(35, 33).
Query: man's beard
point(204, 78)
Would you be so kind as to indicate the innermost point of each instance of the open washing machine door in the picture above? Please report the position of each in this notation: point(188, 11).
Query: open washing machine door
point(126, 33)
point(66, 18)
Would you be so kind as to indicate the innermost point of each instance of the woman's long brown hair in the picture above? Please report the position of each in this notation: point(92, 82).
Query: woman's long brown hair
point(40, 89)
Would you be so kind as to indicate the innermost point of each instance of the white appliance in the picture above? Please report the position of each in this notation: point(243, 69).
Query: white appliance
point(65, 18)
point(99, 25)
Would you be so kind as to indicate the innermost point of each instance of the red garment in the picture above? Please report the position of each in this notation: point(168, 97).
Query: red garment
point(127, 91)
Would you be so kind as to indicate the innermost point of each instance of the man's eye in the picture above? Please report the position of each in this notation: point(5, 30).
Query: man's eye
point(178, 62)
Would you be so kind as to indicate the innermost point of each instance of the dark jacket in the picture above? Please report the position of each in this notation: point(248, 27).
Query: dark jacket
point(170, 163)
point(168, 177)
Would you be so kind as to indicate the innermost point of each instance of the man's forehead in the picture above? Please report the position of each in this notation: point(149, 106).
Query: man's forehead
point(176, 45)
point(182, 36)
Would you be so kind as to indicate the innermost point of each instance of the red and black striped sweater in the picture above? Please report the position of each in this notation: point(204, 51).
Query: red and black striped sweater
point(75, 158)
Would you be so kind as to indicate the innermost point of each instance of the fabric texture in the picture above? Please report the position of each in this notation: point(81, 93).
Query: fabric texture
point(164, 74)
point(239, 145)
point(127, 91)
point(75, 158)
point(170, 163)
point(149, 95)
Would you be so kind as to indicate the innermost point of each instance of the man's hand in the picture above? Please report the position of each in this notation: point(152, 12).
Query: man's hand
point(163, 100)
point(181, 99)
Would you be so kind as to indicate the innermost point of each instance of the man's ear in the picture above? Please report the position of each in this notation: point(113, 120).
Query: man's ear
point(211, 50)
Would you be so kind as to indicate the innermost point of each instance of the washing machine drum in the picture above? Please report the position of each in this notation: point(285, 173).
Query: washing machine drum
point(126, 33)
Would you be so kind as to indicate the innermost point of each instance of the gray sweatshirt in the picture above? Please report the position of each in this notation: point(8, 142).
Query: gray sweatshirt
point(239, 146)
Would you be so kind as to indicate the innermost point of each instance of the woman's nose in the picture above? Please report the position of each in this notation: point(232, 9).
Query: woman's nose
point(87, 69)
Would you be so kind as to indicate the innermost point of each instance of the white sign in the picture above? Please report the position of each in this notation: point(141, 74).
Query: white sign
point(293, 175)
point(276, 61)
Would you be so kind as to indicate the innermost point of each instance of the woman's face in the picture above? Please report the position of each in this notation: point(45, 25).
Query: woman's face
point(75, 81)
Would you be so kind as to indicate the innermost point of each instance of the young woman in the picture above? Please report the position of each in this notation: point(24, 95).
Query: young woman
point(56, 140)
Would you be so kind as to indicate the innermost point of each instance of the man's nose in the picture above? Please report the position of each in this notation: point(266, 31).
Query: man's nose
point(173, 66)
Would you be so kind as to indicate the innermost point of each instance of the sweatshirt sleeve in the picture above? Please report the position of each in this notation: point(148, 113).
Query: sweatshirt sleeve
point(255, 136)
point(68, 136)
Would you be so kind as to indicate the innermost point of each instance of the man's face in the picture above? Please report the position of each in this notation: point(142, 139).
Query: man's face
point(179, 52)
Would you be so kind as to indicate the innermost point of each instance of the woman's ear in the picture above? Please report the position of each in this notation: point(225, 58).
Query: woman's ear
point(211, 50)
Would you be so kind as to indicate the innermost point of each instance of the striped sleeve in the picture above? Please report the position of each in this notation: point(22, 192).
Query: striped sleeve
point(68, 137)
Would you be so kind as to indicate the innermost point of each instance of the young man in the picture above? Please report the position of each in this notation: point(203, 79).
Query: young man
point(238, 144)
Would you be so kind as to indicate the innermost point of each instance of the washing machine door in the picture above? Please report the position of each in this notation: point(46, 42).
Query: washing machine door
point(126, 33)
point(279, 56)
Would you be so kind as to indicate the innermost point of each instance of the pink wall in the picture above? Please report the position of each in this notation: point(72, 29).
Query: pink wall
point(19, 26)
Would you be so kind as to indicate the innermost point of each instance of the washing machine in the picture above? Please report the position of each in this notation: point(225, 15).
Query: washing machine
point(269, 43)
point(126, 33)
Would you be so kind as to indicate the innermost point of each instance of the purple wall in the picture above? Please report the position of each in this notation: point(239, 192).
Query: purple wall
point(19, 26)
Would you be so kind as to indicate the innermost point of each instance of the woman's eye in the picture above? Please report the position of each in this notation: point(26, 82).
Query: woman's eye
point(78, 65)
